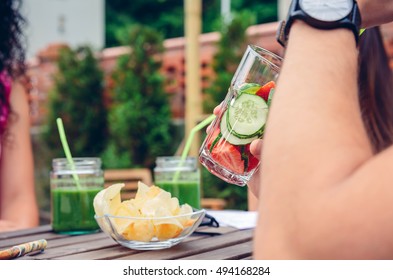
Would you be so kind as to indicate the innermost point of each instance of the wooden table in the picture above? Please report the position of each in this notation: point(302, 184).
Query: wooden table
point(228, 244)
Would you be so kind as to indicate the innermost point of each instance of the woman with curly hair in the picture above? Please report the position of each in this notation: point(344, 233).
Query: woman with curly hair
point(18, 207)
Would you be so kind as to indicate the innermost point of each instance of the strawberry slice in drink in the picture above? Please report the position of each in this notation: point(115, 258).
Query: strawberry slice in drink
point(250, 161)
point(265, 90)
point(228, 156)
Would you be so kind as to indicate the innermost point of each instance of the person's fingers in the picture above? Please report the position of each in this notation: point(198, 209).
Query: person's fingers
point(256, 148)
point(216, 111)
point(208, 128)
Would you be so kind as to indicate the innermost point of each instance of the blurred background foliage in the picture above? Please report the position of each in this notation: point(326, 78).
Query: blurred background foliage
point(139, 115)
point(77, 97)
point(167, 16)
point(230, 49)
point(134, 126)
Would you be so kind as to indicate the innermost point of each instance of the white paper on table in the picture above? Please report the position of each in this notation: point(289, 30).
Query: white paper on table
point(235, 218)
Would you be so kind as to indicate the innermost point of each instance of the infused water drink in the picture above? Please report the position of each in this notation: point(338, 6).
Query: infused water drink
point(225, 151)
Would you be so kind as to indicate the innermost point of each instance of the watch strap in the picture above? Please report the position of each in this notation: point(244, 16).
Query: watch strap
point(352, 22)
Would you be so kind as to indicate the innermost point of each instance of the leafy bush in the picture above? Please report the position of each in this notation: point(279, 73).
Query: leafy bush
point(168, 16)
point(140, 116)
point(231, 47)
point(77, 98)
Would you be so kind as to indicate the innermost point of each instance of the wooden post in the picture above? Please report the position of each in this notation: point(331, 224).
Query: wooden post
point(193, 110)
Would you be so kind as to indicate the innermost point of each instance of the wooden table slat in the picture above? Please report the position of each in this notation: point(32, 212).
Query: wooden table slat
point(235, 252)
point(49, 236)
point(73, 248)
point(24, 232)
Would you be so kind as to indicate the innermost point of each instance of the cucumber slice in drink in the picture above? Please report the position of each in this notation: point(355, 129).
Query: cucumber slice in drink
point(246, 117)
point(270, 98)
point(229, 136)
point(215, 141)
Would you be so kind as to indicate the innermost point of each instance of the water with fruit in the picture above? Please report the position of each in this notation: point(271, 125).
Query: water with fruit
point(226, 150)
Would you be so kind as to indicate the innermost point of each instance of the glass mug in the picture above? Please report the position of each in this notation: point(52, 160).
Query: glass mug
point(73, 189)
point(225, 151)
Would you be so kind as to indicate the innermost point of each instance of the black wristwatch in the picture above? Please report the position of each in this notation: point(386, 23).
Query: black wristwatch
point(322, 14)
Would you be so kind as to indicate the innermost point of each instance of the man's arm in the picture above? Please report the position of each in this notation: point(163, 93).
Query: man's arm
point(323, 194)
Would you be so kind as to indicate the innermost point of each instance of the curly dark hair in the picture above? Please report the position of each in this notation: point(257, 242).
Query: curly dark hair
point(12, 47)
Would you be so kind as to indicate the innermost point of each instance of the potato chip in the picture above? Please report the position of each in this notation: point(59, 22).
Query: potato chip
point(174, 206)
point(153, 192)
point(107, 200)
point(143, 194)
point(132, 210)
point(125, 210)
point(166, 227)
point(139, 230)
point(161, 199)
point(166, 231)
point(185, 220)
point(142, 191)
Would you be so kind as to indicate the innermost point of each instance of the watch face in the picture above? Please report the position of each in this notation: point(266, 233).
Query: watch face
point(327, 10)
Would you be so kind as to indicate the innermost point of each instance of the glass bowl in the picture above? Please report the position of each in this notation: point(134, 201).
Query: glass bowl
point(150, 233)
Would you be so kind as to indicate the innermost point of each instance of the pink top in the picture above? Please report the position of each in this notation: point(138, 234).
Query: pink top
point(5, 80)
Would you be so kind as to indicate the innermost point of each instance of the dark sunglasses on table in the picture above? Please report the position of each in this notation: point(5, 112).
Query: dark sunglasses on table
point(208, 221)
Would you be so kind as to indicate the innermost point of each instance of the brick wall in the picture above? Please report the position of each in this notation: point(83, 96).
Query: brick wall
point(43, 66)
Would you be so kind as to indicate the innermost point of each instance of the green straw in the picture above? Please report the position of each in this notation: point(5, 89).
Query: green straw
point(198, 127)
point(66, 149)
point(187, 147)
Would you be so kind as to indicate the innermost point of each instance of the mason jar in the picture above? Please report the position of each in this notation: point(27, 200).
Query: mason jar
point(73, 188)
point(179, 177)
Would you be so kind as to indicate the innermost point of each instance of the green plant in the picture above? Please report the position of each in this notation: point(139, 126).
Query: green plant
point(140, 116)
point(77, 98)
